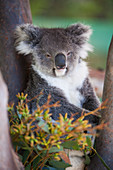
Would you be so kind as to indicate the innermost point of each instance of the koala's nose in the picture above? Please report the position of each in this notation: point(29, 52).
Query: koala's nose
point(60, 61)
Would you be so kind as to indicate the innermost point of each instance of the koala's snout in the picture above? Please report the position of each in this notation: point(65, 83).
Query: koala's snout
point(60, 68)
point(60, 61)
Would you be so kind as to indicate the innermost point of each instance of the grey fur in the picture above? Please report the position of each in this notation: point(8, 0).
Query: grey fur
point(44, 44)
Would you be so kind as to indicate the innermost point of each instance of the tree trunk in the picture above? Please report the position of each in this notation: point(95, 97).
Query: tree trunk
point(104, 143)
point(13, 66)
point(14, 70)
point(8, 159)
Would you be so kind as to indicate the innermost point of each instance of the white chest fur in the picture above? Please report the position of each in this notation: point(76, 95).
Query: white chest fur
point(69, 84)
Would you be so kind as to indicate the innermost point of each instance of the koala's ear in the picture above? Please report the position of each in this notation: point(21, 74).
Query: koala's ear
point(26, 38)
point(80, 34)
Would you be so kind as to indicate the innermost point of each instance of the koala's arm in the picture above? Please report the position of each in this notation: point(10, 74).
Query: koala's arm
point(69, 108)
point(91, 101)
point(34, 88)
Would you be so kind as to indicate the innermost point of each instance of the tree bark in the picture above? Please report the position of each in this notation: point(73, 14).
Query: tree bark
point(13, 66)
point(104, 143)
point(8, 159)
point(14, 70)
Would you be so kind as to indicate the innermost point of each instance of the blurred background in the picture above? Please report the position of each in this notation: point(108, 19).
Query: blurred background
point(97, 13)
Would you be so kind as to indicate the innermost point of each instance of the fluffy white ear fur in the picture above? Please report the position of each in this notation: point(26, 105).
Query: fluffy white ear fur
point(82, 32)
point(86, 47)
point(83, 52)
point(23, 48)
point(22, 40)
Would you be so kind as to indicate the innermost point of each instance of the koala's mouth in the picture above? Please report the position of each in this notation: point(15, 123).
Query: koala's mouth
point(60, 72)
point(60, 68)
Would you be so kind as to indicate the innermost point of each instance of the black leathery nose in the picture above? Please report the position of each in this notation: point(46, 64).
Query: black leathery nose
point(60, 61)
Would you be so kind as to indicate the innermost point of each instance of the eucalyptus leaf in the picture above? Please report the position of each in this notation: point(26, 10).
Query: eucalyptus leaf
point(39, 147)
point(55, 149)
point(87, 160)
point(19, 115)
point(88, 140)
point(35, 162)
point(43, 126)
point(71, 145)
point(59, 164)
point(28, 167)
point(25, 155)
point(51, 168)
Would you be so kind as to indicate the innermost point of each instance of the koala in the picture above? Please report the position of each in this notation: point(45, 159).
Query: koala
point(58, 68)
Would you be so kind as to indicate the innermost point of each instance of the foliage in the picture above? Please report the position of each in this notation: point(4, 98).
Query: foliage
point(71, 8)
point(40, 141)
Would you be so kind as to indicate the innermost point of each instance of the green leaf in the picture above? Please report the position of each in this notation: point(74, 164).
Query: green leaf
point(49, 168)
point(28, 167)
point(39, 147)
point(87, 159)
point(19, 115)
point(20, 144)
point(35, 162)
point(88, 140)
point(59, 164)
point(71, 145)
point(43, 126)
point(25, 155)
point(55, 149)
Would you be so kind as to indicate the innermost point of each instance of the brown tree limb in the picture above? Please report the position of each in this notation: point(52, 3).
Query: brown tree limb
point(14, 70)
point(8, 159)
point(104, 143)
point(13, 66)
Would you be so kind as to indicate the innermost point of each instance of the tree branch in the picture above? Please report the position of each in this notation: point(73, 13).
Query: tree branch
point(104, 143)
point(8, 159)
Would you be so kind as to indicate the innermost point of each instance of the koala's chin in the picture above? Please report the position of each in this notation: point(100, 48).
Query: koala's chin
point(60, 72)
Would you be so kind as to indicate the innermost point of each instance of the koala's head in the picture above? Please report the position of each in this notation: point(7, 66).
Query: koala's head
point(55, 51)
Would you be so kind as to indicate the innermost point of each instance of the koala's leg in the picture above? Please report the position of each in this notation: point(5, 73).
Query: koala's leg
point(76, 158)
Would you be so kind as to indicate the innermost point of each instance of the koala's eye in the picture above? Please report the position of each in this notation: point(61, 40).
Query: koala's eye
point(48, 55)
point(69, 53)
